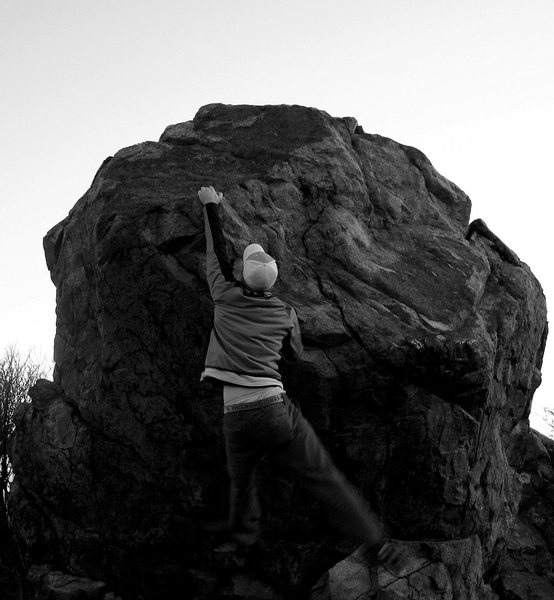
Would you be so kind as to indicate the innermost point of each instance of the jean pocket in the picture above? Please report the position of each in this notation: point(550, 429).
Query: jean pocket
point(276, 427)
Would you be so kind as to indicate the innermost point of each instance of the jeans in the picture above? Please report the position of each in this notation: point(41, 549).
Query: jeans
point(281, 432)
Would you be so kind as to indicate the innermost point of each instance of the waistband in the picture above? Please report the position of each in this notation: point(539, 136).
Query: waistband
point(255, 404)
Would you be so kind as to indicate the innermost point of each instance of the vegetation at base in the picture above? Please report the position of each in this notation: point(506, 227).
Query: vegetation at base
point(18, 373)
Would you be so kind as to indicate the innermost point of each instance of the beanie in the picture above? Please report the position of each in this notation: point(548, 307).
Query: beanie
point(259, 270)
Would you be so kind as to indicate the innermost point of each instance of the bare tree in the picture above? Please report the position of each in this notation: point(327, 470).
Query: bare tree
point(549, 420)
point(17, 374)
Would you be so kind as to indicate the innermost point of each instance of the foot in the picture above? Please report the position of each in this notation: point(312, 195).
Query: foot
point(228, 547)
point(387, 554)
point(391, 557)
point(215, 525)
point(229, 556)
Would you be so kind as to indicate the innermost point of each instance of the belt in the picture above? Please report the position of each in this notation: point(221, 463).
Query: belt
point(254, 404)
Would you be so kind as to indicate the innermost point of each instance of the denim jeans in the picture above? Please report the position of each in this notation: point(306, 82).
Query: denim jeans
point(281, 432)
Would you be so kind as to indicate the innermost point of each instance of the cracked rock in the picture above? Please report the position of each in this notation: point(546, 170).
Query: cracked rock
point(424, 342)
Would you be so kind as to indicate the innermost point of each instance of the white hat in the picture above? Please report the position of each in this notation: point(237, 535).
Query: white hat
point(259, 269)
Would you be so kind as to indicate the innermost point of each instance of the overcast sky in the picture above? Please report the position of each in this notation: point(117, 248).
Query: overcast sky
point(468, 83)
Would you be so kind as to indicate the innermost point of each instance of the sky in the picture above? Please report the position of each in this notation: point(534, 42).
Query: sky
point(470, 84)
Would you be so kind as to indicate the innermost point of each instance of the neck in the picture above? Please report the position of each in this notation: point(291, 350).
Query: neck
point(255, 293)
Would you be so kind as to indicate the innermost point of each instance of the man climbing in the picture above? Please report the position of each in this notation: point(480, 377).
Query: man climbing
point(252, 329)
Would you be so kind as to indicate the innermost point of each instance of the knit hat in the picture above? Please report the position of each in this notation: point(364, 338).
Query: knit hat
point(259, 270)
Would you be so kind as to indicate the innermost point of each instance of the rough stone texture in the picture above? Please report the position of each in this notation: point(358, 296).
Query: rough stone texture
point(55, 585)
point(525, 570)
point(424, 342)
point(434, 571)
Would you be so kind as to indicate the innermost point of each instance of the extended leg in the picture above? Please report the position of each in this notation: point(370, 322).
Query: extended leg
point(347, 511)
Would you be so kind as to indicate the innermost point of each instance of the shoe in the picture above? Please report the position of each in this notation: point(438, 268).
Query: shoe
point(215, 525)
point(227, 548)
point(391, 557)
point(387, 554)
point(229, 556)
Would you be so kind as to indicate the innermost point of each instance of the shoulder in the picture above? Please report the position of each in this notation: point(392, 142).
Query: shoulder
point(277, 301)
point(232, 291)
point(291, 312)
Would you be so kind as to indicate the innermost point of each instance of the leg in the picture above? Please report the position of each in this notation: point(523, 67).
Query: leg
point(347, 511)
point(244, 505)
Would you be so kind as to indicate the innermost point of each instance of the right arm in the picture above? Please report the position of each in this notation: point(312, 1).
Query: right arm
point(219, 268)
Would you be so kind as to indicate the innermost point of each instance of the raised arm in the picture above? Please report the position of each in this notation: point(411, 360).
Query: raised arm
point(219, 269)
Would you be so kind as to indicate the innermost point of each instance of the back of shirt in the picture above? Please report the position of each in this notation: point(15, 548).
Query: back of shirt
point(250, 332)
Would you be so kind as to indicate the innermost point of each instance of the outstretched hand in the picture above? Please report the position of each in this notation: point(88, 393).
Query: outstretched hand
point(208, 195)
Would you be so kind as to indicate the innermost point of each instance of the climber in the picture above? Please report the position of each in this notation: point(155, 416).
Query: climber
point(252, 329)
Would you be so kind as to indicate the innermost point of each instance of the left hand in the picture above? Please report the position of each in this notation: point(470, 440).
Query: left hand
point(208, 195)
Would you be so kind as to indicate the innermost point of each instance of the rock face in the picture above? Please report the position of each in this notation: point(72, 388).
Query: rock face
point(424, 342)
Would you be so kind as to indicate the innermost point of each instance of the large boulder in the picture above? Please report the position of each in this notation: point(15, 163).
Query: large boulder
point(424, 340)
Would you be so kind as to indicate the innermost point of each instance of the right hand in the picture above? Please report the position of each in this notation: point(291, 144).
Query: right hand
point(208, 195)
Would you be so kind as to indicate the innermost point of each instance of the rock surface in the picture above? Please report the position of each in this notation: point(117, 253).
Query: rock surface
point(434, 570)
point(424, 343)
point(56, 585)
